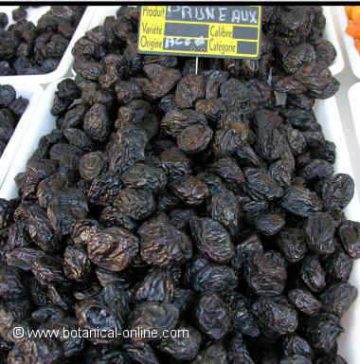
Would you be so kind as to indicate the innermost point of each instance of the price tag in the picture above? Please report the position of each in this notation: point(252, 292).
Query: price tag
point(202, 31)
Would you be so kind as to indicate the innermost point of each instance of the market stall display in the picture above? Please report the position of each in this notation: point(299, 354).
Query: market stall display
point(152, 193)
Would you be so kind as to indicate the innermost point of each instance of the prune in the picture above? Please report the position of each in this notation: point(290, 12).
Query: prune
point(48, 270)
point(338, 298)
point(212, 239)
point(292, 243)
point(261, 185)
point(64, 209)
point(275, 316)
point(194, 138)
point(144, 176)
point(205, 276)
point(154, 316)
point(212, 316)
point(141, 353)
point(162, 244)
point(320, 229)
point(162, 80)
point(244, 320)
point(266, 273)
point(296, 345)
point(112, 248)
point(269, 224)
point(96, 123)
point(338, 267)
point(224, 208)
point(91, 165)
point(76, 263)
point(192, 191)
point(182, 348)
point(322, 331)
point(304, 301)
point(337, 191)
point(189, 89)
point(313, 274)
point(301, 201)
point(94, 313)
point(349, 233)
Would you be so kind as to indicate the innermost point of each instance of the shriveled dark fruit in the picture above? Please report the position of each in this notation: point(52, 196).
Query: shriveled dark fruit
point(91, 165)
point(292, 243)
point(194, 138)
point(182, 348)
point(261, 185)
point(210, 277)
point(349, 233)
point(275, 316)
point(154, 315)
point(212, 239)
point(190, 89)
point(112, 248)
point(322, 331)
point(192, 191)
point(269, 224)
point(296, 345)
point(313, 274)
point(266, 273)
point(156, 286)
point(161, 244)
point(338, 298)
point(304, 301)
point(301, 201)
point(212, 316)
point(337, 191)
point(338, 267)
point(320, 230)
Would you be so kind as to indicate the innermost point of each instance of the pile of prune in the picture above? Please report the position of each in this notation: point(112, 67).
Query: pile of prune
point(169, 200)
point(30, 49)
point(11, 110)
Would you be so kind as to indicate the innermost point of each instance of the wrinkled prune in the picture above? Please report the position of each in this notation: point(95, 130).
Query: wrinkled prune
point(212, 316)
point(112, 248)
point(212, 239)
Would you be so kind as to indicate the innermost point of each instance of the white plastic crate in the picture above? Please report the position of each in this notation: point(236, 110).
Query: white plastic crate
point(353, 54)
point(354, 96)
point(65, 63)
point(19, 137)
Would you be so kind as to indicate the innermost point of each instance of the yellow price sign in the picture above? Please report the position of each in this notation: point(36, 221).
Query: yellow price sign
point(205, 31)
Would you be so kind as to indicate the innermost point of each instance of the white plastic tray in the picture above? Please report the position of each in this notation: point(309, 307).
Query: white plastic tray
point(330, 34)
point(64, 65)
point(352, 53)
point(354, 98)
point(34, 94)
